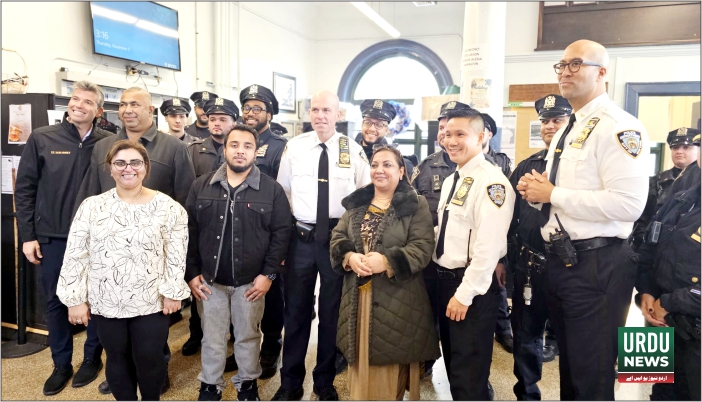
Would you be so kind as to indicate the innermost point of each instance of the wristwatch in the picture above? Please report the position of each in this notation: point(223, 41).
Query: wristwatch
point(272, 277)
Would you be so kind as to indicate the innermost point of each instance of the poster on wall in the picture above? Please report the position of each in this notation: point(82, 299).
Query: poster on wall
point(284, 89)
point(20, 124)
point(475, 57)
point(509, 130)
point(535, 140)
point(9, 162)
point(480, 92)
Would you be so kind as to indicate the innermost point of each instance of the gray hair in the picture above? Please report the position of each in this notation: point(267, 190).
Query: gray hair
point(90, 87)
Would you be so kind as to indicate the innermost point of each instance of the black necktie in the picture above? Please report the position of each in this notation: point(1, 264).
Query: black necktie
point(444, 219)
point(546, 207)
point(322, 228)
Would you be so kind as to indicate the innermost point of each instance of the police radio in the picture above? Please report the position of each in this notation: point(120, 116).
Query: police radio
point(563, 246)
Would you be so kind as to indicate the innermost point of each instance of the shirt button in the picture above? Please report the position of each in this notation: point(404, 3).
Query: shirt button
point(225, 196)
point(215, 257)
point(236, 219)
point(221, 217)
point(218, 237)
point(236, 239)
point(238, 197)
point(261, 209)
point(236, 260)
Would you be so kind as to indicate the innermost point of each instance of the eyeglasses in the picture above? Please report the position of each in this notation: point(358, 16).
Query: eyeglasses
point(378, 126)
point(136, 164)
point(573, 66)
point(255, 109)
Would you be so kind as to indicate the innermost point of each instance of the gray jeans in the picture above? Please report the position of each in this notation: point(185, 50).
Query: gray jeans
point(227, 304)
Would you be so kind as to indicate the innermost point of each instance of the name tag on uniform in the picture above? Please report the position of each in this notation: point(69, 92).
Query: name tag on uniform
point(262, 151)
point(436, 182)
point(344, 155)
point(462, 193)
point(583, 136)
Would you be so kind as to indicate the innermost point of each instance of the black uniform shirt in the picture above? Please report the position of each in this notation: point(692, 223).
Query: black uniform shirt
point(197, 131)
point(525, 219)
point(205, 156)
point(501, 160)
point(428, 177)
point(270, 150)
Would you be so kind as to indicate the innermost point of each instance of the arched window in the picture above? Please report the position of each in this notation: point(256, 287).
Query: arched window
point(396, 78)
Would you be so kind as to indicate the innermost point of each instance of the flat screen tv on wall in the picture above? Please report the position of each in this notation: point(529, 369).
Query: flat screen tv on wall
point(143, 32)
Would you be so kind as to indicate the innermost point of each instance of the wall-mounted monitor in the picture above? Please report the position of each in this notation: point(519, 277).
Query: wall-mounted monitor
point(143, 32)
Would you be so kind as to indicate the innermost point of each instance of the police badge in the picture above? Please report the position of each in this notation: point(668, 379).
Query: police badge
point(176, 102)
point(550, 102)
point(415, 173)
point(344, 156)
point(682, 131)
point(205, 95)
point(630, 141)
point(219, 102)
point(378, 104)
point(451, 105)
point(253, 90)
point(262, 151)
point(462, 193)
point(582, 137)
point(497, 194)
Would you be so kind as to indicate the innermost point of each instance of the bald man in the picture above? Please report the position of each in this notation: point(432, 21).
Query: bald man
point(317, 170)
point(596, 183)
point(172, 172)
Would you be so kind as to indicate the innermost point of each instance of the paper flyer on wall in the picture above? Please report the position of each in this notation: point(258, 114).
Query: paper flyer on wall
point(8, 162)
point(20, 124)
point(535, 140)
point(480, 92)
point(509, 130)
point(55, 116)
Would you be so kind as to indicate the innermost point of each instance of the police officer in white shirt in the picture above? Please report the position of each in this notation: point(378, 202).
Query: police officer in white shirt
point(599, 168)
point(475, 210)
point(317, 170)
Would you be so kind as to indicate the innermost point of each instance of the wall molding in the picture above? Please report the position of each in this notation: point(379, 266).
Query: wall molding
point(627, 52)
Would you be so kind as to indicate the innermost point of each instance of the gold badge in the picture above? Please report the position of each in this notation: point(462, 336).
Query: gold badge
point(460, 197)
point(582, 137)
point(219, 102)
point(497, 194)
point(696, 237)
point(176, 102)
point(205, 95)
point(451, 105)
point(378, 104)
point(415, 173)
point(344, 155)
point(253, 90)
point(682, 131)
point(262, 151)
point(436, 182)
point(550, 102)
point(694, 279)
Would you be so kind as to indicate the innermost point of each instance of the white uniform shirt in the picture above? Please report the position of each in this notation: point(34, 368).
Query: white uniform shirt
point(480, 217)
point(299, 168)
point(601, 188)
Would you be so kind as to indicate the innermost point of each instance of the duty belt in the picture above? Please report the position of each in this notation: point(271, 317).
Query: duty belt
point(588, 244)
point(533, 261)
point(445, 273)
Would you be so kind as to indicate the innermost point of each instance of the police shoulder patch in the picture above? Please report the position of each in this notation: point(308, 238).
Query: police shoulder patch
point(497, 194)
point(415, 173)
point(630, 141)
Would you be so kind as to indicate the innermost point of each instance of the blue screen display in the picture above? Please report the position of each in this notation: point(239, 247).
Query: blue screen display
point(138, 31)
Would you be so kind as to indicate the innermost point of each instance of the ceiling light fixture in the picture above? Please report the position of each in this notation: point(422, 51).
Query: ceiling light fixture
point(375, 17)
point(424, 3)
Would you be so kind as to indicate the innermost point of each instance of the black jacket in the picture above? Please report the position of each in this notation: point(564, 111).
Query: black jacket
point(428, 177)
point(658, 193)
point(262, 224)
point(670, 270)
point(500, 160)
point(53, 164)
point(368, 150)
point(205, 157)
point(171, 169)
point(270, 150)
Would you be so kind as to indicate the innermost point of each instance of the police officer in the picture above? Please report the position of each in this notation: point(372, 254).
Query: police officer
point(200, 128)
point(176, 112)
point(526, 256)
point(222, 114)
point(258, 106)
point(497, 158)
point(598, 167)
point(683, 153)
point(317, 170)
point(468, 248)
point(669, 282)
point(377, 115)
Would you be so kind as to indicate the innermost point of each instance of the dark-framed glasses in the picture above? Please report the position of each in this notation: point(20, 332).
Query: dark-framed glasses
point(255, 109)
point(573, 66)
point(378, 125)
point(136, 164)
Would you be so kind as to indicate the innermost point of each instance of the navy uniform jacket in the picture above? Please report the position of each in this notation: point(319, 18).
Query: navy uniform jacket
point(501, 160)
point(670, 270)
point(658, 192)
point(198, 132)
point(428, 177)
point(525, 219)
point(205, 156)
point(270, 150)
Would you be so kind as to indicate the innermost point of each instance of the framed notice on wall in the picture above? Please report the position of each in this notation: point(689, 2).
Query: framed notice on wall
point(284, 88)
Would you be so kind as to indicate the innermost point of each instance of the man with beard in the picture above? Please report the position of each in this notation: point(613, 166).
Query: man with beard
point(239, 222)
point(171, 169)
point(377, 115)
point(222, 114)
point(200, 128)
point(176, 111)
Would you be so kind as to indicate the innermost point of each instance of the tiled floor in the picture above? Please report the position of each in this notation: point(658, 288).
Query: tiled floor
point(23, 378)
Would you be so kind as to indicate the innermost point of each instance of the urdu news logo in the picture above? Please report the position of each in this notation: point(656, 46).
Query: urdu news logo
point(646, 354)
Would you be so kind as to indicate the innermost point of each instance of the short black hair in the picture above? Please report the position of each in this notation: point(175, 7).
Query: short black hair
point(472, 115)
point(243, 127)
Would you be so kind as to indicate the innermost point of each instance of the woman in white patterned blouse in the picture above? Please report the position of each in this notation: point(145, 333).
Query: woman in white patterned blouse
point(124, 270)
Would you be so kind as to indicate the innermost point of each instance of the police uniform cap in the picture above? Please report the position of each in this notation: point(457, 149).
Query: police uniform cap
point(553, 106)
point(683, 136)
point(696, 140)
point(221, 106)
point(175, 106)
point(449, 106)
point(278, 129)
point(489, 123)
point(261, 93)
point(378, 109)
point(200, 98)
